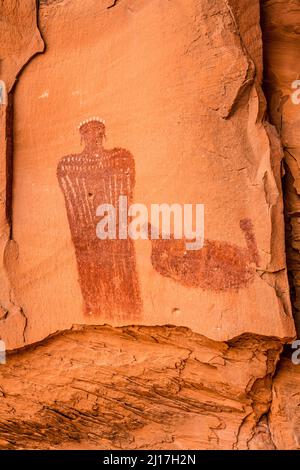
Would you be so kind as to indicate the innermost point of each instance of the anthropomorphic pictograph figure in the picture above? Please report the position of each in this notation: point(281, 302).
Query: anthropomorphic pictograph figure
point(107, 268)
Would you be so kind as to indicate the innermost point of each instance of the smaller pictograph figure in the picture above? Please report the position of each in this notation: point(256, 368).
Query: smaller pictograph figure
point(107, 268)
point(218, 266)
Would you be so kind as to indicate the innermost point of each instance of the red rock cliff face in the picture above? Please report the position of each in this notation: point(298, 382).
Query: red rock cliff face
point(163, 102)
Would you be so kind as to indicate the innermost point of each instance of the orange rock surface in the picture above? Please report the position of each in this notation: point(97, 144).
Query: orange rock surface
point(164, 102)
point(137, 388)
point(185, 100)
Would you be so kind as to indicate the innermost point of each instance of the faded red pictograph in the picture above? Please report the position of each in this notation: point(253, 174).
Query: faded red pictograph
point(218, 266)
point(107, 268)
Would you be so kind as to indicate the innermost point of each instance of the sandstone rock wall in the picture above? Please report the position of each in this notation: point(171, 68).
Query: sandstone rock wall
point(138, 387)
point(194, 108)
point(189, 354)
point(281, 41)
point(20, 41)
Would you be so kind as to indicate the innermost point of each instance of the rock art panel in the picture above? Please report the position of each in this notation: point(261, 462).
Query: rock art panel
point(185, 101)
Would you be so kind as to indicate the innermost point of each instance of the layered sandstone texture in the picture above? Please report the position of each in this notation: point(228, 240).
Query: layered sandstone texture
point(143, 343)
point(280, 22)
point(138, 388)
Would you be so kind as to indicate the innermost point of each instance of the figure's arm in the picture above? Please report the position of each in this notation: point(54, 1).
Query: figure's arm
point(123, 168)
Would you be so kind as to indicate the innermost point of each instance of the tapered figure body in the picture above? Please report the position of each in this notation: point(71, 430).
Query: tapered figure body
point(107, 268)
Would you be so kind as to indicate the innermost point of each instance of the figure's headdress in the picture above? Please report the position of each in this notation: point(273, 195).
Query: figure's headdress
point(92, 123)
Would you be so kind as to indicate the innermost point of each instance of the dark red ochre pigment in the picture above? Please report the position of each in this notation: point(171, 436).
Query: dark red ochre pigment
point(107, 268)
point(218, 266)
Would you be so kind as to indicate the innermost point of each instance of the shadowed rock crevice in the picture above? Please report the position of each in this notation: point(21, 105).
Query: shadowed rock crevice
point(9, 161)
point(279, 22)
point(115, 2)
point(281, 42)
